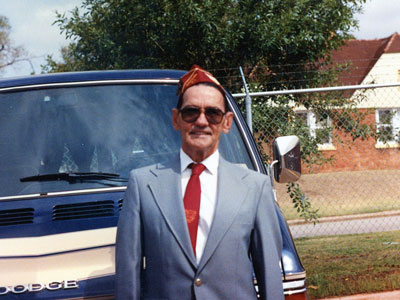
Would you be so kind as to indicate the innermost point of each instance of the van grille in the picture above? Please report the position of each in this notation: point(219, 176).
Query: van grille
point(16, 216)
point(120, 202)
point(85, 210)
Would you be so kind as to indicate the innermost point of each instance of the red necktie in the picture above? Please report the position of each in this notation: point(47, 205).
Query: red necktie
point(191, 202)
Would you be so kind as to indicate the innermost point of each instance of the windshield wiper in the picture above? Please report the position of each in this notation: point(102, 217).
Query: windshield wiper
point(73, 177)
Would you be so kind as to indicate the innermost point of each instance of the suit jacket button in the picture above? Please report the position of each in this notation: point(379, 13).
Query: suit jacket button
point(198, 282)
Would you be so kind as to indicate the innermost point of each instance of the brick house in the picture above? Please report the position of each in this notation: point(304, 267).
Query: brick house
point(372, 61)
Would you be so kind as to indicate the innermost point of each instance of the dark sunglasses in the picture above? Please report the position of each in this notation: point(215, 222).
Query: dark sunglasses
point(191, 113)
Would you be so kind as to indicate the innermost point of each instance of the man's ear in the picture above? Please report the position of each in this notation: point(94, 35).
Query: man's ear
point(175, 115)
point(227, 123)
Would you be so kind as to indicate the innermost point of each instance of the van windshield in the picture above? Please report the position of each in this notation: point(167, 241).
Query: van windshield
point(93, 130)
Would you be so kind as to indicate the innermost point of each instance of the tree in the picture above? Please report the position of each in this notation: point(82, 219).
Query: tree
point(282, 44)
point(219, 34)
point(9, 54)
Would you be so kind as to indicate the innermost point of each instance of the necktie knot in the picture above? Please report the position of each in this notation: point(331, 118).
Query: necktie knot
point(197, 169)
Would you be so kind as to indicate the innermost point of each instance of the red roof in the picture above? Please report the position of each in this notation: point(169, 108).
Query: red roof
point(394, 44)
point(362, 55)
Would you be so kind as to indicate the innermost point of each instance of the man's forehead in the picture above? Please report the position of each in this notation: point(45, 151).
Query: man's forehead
point(204, 93)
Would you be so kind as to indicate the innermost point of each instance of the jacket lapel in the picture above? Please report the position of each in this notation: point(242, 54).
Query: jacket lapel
point(167, 177)
point(230, 195)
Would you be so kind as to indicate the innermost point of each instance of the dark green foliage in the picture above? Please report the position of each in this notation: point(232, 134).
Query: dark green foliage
point(302, 203)
point(284, 35)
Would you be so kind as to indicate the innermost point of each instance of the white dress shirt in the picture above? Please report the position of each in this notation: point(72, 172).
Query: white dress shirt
point(208, 183)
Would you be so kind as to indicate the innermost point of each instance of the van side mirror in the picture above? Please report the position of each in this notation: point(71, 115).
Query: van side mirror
point(287, 159)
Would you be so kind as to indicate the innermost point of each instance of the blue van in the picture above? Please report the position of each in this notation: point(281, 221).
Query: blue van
point(67, 144)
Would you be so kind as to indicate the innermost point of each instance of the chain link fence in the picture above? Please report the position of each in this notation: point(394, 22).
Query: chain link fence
point(350, 150)
point(350, 177)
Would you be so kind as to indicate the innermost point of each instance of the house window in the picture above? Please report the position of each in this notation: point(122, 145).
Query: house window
point(320, 128)
point(388, 126)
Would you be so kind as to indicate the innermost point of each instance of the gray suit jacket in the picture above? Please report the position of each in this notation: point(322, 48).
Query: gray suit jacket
point(244, 234)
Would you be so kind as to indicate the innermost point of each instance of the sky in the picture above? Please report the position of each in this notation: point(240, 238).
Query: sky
point(32, 27)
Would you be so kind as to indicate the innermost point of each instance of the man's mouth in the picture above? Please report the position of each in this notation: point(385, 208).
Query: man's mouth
point(198, 133)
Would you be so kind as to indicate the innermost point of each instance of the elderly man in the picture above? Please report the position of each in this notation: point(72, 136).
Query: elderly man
point(197, 226)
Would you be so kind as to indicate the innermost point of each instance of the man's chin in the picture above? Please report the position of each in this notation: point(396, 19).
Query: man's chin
point(199, 146)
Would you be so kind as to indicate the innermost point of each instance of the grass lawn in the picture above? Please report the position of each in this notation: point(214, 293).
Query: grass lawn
point(351, 264)
point(346, 193)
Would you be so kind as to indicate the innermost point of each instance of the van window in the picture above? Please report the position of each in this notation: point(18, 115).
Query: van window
point(109, 128)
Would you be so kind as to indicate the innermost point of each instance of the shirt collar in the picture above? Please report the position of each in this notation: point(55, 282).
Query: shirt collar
point(211, 162)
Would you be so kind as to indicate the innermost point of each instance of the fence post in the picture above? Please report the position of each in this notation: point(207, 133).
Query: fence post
point(247, 102)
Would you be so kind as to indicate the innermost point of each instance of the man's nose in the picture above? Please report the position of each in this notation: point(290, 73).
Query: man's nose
point(202, 120)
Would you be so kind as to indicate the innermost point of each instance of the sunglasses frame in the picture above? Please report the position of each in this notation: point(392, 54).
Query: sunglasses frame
point(199, 110)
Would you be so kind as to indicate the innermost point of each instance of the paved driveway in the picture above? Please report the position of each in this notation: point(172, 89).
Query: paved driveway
point(348, 225)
